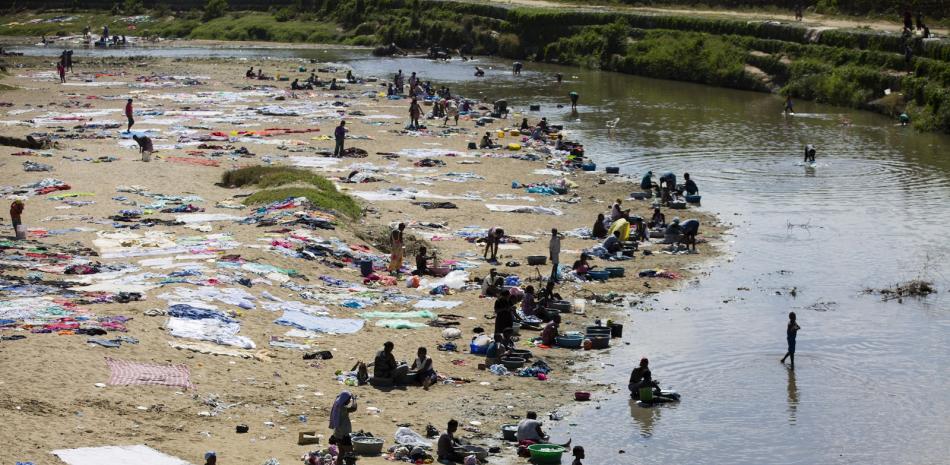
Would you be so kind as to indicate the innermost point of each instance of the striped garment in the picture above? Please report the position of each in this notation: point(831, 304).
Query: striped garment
point(126, 373)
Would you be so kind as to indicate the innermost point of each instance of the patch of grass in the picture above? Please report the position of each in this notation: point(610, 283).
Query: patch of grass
point(4, 87)
point(319, 190)
point(330, 200)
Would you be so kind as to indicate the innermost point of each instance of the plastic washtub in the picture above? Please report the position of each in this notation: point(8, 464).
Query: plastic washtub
point(546, 453)
point(589, 166)
point(367, 446)
point(615, 272)
point(478, 350)
point(693, 198)
point(509, 432)
point(598, 275)
point(569, 341)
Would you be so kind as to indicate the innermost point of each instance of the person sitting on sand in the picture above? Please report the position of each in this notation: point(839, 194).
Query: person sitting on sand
point(524, 124)
point(491, 284)
point(447, 443)
point(499, 347)
point(529, 430)
point(548, 295)
point(538, 134)
point(658, 220)
point(386, 369)
point(641, 377)
point(612, 243)
point(492, 241)
point(543, 124)
point(487, 142)
point(422, 263)
point(639, 229)
point(295, 85)
point(550, 331)
point(599, 231)
point(422, 370)
point(582, 266)
point(615, 211)
point(528, 304)
point(260, 73)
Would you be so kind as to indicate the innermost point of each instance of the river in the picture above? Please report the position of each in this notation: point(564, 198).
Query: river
point(871, 380)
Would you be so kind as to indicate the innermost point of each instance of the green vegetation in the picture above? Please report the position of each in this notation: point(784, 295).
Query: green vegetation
point(317, 189)
point(842, 67)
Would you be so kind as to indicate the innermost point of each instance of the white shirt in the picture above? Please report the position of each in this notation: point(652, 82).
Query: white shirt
point(555, 248)
point(528, 430)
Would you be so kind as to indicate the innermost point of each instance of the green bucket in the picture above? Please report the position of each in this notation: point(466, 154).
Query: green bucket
point(646, 394)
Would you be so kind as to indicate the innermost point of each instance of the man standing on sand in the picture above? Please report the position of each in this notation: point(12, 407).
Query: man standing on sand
point(61, 69)
point(339, 134)
point(16, 211)
point(554, 247)
point(128, 114)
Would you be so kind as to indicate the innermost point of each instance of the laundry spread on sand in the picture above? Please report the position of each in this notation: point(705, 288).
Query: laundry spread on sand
point(524, 209)
point(321, 324)
point(128, 373)
point(117, 455)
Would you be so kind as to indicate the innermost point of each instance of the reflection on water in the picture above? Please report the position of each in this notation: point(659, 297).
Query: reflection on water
point(792, 395)
point(645, 417)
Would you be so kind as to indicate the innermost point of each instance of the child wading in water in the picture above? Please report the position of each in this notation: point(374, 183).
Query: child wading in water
point(578, 454)
point(790, 333)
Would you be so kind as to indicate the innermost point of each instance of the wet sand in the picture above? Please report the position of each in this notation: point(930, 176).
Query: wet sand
point(50, 398)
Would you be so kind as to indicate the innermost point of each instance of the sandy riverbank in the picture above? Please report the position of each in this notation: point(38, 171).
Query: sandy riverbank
point(50, 399)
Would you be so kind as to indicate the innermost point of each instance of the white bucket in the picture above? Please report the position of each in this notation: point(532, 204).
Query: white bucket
point(580, 306)
point(20, 232)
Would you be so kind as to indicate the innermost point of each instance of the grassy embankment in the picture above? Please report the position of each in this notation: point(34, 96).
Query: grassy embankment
point(841, 67)
point(279, 183)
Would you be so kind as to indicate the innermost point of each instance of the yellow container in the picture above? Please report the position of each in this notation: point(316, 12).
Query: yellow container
point(500, 134)
point(515, 132)
point(514, 146)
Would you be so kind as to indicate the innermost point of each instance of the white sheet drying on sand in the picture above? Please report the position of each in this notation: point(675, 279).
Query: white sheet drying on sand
point(400, 194)
point(209, 329)
point(523, 209)
point(314, 162)
point(117, 455)
point(322, 324)
point(430, 304)
point(204, 217)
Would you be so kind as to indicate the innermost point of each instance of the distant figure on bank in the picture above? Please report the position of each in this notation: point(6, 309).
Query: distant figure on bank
point(516, 67)
point(397, 248)
point(798, 11)
point(61, 70)
point(810, 153)
point(791, 332)
point(574, 97)
point(904, 119)
point(340, 135)
point(554, 247)
point(559, 77)
point(16, 213)
point(479, 72)
point(128, 114)
point(789, 107)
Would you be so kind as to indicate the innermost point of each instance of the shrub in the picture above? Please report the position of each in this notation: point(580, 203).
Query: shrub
point(215, 9)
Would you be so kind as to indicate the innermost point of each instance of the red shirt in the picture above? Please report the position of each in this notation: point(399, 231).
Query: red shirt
point(16, 209)
point(128, 109)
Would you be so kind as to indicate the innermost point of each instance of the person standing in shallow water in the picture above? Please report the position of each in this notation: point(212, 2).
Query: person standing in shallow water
point(791, 332)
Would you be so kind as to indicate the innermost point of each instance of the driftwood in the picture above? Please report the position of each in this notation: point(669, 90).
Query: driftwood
point(914, 288)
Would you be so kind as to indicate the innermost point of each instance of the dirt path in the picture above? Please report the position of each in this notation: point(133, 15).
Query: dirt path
point(811, 20)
